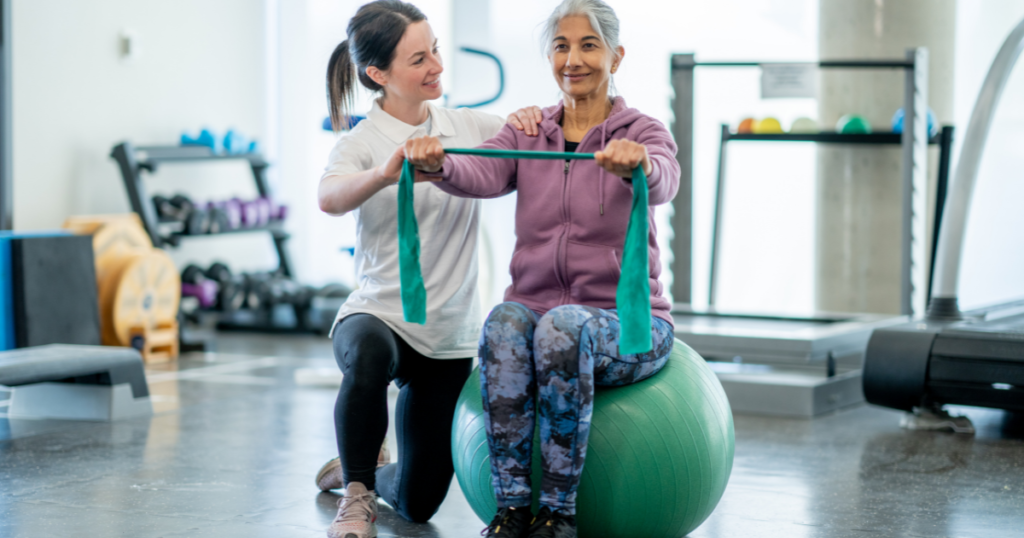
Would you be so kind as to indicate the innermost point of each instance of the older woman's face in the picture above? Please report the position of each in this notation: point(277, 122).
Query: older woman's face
point(581, 62)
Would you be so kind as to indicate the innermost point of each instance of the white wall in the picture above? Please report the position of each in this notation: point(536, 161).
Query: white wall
point(201, 64)
point(993, 260)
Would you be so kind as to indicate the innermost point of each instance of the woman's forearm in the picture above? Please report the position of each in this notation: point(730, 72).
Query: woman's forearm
point(340, 194)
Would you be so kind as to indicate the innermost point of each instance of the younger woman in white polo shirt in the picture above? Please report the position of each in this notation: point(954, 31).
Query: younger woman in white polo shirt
point(391, 49)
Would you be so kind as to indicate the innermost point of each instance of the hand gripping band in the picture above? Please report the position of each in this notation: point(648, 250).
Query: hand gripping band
point(632, 297)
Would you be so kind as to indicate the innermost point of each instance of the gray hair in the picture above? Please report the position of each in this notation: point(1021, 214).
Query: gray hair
point(602, 19)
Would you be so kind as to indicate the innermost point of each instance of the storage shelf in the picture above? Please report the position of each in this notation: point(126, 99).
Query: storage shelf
point(134, 161)
point(276, 228)
point(824, 137)
point(149, 156)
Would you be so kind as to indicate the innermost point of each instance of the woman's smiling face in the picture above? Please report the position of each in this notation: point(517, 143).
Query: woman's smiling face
point(581, 62)
point(415, 73)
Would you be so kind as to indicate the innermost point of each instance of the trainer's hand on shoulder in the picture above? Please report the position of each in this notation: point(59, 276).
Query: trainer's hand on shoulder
point(620, 157)
point(425, 153)
point(526, 120)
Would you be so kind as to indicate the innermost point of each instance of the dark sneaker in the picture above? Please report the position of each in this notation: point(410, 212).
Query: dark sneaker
point(509, 523)
point(552, 524)
point(329, 477)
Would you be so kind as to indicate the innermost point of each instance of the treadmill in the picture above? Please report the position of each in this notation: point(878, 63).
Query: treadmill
point(971, 358)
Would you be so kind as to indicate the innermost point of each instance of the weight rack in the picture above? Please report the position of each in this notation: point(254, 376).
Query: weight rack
point(134, 160)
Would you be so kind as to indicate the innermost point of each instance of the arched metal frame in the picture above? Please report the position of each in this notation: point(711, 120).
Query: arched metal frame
point(954, 224)
point(501, 77)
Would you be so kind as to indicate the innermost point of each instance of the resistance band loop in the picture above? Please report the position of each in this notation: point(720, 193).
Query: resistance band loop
point(632, 298)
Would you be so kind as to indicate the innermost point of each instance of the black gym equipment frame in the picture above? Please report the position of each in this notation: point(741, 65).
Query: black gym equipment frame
point(779, 364)
point(914, 141)
point(949, 356)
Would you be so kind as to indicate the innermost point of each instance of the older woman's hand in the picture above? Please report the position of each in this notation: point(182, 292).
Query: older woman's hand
point(425, 153)
point(620, 157)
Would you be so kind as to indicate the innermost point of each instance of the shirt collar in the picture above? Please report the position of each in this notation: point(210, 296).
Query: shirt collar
point(399, 131)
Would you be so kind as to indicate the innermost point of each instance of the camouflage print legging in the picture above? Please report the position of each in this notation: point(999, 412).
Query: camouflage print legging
point(557, 359)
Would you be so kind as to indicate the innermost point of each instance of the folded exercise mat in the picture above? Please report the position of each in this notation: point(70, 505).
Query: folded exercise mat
point(632, 297)
point(7, 316)
point(54, 291)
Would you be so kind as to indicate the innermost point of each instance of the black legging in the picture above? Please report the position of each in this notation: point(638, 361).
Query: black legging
point(371, 355)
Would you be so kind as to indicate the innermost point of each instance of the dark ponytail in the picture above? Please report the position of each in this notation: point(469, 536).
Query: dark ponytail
point(373, 36)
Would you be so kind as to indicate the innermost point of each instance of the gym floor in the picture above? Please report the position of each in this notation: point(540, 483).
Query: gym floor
point(235, 443)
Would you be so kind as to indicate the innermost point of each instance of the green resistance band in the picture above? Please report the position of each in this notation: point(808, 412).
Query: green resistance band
point(632, 298)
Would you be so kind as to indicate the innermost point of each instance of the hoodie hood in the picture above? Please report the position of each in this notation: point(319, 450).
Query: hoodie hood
point(619, 117)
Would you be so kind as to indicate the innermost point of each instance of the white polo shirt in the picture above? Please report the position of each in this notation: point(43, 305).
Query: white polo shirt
point(448, 234)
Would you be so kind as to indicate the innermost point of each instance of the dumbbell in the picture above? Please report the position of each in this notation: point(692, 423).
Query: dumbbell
point(205, 138)
point(281, 212)
point(234, 211)
point(277, 292)
point(263, 208)
point(198, 222)
point(232, 293)
point(278, 212)
point(249, 213)
point(219, 222)
point(174, 209)
point(195, 284)
point(257, 291)
point(224, 216)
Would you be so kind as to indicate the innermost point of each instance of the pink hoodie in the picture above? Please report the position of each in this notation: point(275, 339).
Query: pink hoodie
point(570, 219)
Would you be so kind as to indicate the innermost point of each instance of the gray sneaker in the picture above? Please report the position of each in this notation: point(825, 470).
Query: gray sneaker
point(357, 514)
point(329, 476)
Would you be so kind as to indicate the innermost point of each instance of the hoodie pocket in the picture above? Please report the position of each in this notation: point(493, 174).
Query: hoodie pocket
point(594, 272)
point(533, 273)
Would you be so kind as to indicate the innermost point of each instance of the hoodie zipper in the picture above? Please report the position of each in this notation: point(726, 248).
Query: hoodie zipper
point(563, 278)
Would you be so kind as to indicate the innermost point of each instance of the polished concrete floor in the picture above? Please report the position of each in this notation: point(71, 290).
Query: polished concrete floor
point(235, 443)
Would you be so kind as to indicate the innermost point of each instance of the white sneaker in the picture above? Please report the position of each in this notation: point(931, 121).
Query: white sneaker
point(357, 514)
point(329, 477)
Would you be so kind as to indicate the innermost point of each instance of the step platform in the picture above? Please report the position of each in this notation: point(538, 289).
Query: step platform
point(74, 382)
point(783, 365)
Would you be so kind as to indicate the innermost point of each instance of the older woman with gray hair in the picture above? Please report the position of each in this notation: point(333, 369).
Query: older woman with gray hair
point(556, 336)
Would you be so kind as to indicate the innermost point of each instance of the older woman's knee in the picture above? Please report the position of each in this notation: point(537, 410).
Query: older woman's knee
point(508, 324)
point(556, 340)
point(515, 314)
point(562, 325)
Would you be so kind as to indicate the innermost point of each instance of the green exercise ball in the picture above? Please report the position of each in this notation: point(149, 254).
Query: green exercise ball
point(853, 124)
point(659, 457)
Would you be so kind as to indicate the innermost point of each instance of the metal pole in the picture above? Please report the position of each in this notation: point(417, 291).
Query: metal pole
point(682, 205)
point(716, 230)
point(941, 188)
point(6, 170)
point(913, 270)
